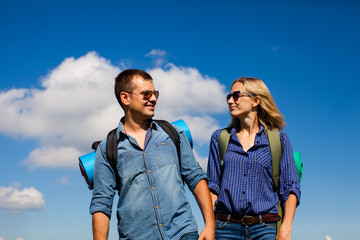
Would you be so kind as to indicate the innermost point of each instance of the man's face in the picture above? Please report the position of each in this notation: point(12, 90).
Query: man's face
point(140, 107)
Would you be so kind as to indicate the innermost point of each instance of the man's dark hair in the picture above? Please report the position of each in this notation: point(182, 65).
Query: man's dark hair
point(123, 82)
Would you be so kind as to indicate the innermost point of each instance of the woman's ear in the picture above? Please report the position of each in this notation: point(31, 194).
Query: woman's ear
point(256, 101)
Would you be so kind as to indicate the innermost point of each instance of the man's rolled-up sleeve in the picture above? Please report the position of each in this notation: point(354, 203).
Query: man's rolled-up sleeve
point(190, 169)
point(104, 183)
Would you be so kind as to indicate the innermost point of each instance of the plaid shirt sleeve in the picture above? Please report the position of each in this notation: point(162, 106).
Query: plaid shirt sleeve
point(213, 168)
point(289, 179)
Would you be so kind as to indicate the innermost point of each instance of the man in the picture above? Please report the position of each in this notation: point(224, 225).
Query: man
point(152, 202)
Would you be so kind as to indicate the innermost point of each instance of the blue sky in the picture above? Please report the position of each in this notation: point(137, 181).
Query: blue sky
point(59, 59)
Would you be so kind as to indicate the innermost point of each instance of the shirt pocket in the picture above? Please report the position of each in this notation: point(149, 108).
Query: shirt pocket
point(263, 158)
point(165, 152)
point(129, 165)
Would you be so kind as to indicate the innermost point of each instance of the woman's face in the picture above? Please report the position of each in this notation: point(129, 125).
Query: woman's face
point(241, 103)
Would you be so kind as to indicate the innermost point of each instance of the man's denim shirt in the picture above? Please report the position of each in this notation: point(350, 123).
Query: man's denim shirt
point(152, 202)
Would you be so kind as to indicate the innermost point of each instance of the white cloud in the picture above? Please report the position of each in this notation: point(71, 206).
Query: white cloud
point(52, 157)
point(327, 237)
point(14, 199)
point(159, 57)
point(76, 106)
point(71, 96)
point(76, 96)
point(20, 238)
point(64, 181)
point(201, 127)
point(186, 91)
point(156, 53)
point(202, 161)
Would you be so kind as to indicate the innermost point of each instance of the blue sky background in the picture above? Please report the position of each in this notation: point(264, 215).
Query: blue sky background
point(59, 59)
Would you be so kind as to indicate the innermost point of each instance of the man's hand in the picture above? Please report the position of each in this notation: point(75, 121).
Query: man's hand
point(208, 233)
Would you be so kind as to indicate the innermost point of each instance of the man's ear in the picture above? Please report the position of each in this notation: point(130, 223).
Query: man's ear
point(124, 97)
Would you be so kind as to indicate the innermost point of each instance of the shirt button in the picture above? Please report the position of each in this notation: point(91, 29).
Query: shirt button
point(144, 154)
point(149, 171)
point(163, 144)
point(244, 174)
point(243, 192)
point(153, 188)
point(160, 225)
point(156, 207)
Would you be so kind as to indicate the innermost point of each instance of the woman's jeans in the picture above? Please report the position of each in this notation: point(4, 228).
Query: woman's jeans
point(228, 230)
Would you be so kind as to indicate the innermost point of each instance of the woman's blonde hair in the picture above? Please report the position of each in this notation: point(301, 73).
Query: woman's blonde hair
point(269, 114)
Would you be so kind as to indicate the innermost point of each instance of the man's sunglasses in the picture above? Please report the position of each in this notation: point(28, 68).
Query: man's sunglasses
point(146, 95)
point(237, 94)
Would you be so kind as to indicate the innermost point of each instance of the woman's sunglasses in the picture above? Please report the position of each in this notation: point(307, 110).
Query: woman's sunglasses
point(237, 94)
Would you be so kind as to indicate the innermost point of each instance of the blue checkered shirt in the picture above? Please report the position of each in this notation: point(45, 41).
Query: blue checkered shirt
point(246, 186)
point(152, 201)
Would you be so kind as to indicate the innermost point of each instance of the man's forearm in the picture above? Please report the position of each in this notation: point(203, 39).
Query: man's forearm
point(203, 198)
point(100, 225)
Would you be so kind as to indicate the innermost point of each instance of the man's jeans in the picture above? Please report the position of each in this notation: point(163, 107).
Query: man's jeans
point(227, 230)
point(190, 236)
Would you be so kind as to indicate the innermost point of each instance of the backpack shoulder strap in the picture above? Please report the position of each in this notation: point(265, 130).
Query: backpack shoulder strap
point(173, 134)
point(111, 153)
point(275, 149)
point(95, 145)
point(224, 139)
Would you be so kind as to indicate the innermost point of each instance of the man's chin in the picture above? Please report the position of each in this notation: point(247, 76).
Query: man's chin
point(150, 115)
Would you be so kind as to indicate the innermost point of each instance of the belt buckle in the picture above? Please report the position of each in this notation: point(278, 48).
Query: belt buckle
point(247, 223)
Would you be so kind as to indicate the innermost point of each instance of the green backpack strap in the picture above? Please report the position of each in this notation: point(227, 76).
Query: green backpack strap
point(275, 149)
point(223, 144)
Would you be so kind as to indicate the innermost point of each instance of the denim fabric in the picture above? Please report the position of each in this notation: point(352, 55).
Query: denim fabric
point(237, 231)
point(246, 186)
point(152, 202)
point(190, 236)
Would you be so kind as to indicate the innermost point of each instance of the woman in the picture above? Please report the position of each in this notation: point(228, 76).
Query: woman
point(243, 192)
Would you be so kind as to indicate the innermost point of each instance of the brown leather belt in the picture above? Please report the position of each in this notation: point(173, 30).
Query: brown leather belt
point(249, 220)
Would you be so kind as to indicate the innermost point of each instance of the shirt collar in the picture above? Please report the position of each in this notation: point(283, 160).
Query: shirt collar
point(260, 138)
point(262, 128)
point(121, 128)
